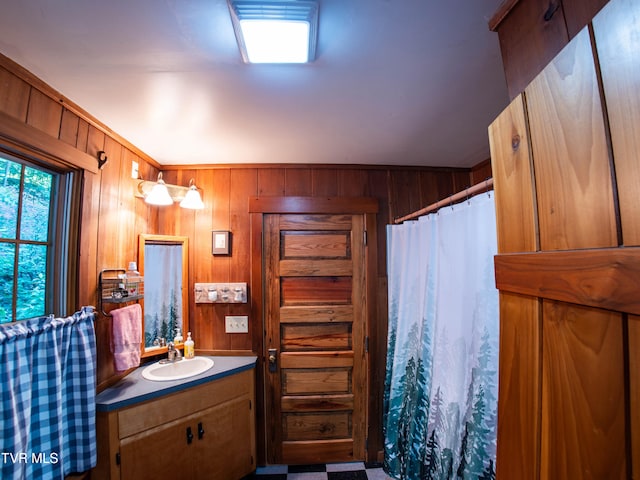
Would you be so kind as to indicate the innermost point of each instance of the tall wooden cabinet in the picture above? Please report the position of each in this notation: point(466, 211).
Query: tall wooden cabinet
point(532, 32)
point(567, 177)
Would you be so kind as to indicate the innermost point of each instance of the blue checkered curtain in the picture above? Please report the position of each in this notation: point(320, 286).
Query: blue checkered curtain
point(48, 375)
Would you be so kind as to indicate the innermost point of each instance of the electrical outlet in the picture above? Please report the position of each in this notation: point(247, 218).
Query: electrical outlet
point(236, 324)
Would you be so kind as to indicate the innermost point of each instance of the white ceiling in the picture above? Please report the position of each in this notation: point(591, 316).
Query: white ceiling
point(404, 82)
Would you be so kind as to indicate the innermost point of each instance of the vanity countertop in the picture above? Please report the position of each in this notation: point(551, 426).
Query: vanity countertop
point(134, 388)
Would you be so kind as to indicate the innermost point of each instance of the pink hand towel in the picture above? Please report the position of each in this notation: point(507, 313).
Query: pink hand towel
point(126, 336)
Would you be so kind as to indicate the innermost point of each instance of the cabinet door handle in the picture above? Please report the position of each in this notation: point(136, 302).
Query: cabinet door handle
point(189, 435)
point(200, 431)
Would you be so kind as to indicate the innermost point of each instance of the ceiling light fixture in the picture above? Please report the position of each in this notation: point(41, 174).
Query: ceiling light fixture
point(161, 193)
point(282, 31)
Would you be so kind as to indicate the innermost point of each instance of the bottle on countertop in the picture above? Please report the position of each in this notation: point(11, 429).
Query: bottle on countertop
point(178, 339)
point(189, 347)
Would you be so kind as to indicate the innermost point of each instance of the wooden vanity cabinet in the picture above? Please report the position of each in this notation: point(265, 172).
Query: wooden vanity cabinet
point(532, 32)
point(204, 432)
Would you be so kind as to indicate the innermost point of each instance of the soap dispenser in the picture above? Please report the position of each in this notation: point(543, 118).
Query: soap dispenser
point(178, 339)
point(189, 349)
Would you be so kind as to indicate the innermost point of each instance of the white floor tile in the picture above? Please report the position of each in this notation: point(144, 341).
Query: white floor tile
point(307, 476)
point(345, 467)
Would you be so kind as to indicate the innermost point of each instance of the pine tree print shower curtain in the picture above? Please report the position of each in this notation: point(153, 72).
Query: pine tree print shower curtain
point(441, 384)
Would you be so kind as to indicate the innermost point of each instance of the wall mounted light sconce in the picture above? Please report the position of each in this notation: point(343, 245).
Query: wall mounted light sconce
point(192, 199)
point(161, 193)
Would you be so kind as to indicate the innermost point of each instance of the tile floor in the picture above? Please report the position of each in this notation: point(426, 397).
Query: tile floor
point(332, 471)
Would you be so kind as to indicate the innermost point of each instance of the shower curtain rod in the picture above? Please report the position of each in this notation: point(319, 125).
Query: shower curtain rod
point(463, 194)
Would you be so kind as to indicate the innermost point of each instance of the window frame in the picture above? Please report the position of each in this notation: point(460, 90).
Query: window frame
point(63, 239)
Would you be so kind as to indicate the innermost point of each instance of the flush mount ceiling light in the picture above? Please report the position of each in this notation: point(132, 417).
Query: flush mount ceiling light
point(282, 31)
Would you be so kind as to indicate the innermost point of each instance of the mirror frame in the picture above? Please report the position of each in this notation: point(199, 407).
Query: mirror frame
point(150, 239)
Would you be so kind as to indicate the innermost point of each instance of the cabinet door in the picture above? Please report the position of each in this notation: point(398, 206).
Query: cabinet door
point(154, 452)
point(225, 441)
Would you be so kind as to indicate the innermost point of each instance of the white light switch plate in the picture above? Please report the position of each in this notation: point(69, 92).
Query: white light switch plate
point(236, 324)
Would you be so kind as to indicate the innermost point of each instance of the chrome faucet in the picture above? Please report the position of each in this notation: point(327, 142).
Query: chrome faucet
point(173, 354)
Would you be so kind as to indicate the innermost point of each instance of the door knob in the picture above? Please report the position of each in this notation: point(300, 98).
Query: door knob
point(273, 359)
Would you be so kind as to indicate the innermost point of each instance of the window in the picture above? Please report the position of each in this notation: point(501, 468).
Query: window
point(34, 239)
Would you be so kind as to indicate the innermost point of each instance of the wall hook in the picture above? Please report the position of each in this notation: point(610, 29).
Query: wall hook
point(102, 159)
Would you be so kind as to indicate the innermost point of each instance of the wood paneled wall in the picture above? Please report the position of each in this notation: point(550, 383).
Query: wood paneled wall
point(36, 121)
point(226, 191)
point(565, 161)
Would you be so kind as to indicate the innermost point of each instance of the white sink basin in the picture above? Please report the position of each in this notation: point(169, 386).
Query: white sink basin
point(163, 372)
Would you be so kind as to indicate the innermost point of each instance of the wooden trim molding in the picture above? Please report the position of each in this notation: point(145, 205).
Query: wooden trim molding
point(13, 131)
point(607, 278)
point(501, 13)
point(24, 74)
point(313, 205)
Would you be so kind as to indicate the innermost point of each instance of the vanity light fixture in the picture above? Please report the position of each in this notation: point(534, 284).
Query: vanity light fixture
point(283, 31)
point(161, 193)
point(192, 199)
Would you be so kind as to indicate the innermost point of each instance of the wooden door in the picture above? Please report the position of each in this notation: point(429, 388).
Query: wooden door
point(315, 309)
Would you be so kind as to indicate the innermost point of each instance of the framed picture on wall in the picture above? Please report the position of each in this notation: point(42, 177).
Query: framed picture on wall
point(220, 242)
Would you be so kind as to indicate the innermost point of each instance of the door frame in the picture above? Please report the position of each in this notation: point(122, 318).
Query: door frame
point(258, 207)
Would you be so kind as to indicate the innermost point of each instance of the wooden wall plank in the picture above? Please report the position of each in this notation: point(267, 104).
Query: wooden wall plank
point(201, 315)
point(352, 183)
point(14, 95)
point(83, 136)
point(402, 197)
point(615, 30)
point(518, 454)
point(44, 114)
point(244, 185)
point(583, 393)
point(634, 392)
point(298, 182)
point(573, 177)
point(578, 13)
point(69, 128)
point(603, 278)
point(512, 168)
point(271, 182)
point(324, 182)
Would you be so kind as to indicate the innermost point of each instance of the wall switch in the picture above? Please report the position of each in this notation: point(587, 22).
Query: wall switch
point(134, 170)
point(236, 324)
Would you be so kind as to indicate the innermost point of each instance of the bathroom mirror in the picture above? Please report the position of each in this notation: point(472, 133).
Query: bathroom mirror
point(163, 260)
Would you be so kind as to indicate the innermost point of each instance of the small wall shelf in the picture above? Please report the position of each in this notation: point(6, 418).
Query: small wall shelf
point(114, 287)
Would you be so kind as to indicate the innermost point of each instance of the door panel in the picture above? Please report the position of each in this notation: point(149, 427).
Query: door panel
point(315, 325)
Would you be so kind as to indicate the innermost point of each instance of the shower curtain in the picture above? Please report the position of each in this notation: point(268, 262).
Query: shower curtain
point(47, 373)
point(441, 383)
